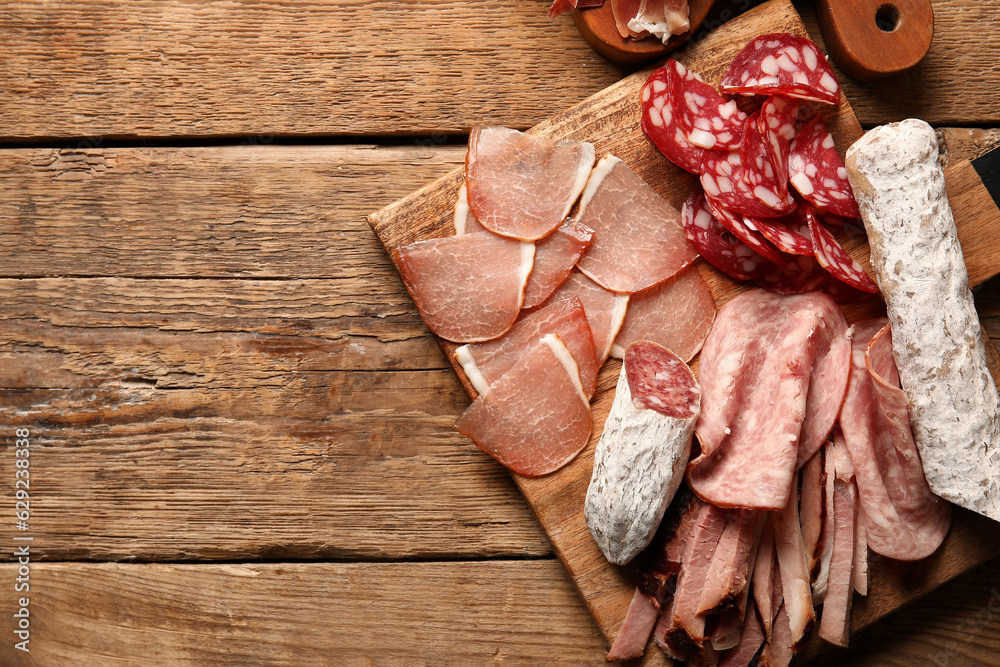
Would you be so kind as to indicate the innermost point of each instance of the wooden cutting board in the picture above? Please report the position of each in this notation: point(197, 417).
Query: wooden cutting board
point(610, 120)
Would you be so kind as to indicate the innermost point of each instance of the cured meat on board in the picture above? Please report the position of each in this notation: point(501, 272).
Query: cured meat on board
point(716, 244)
point(782, 64)
point(555, 257)
point(817, 172)
point(605, 309)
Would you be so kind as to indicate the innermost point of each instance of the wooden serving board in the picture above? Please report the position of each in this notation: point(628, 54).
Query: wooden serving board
point(610, 120)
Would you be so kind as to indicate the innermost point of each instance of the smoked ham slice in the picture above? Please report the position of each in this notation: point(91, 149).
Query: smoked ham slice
point(827, 383)
point(677, 314)
point(521, 185)
point(834, 625)
point(795, 584)
point(467, 288)
point(662, 18)
point(751, 639)
point(555, 257)
point(902, 518)
point(485, 363)
point(536, 418)
point(638, 237)
point(605, 309)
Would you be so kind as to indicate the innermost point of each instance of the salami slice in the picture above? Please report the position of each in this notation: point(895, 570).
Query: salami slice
point(801, 274)
point(789, 234)
point(764, 154)
point(841, 292)
point(706, 119)
point(817, 172)
point(754, 239)
point(717, 244)
point(835, 259)
point(722, 178)
point(659, 123)
point(660, 380)
point(783, 64)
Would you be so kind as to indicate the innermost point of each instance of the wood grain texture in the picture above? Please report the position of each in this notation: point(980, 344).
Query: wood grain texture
point(344, 67)
point(392, 614)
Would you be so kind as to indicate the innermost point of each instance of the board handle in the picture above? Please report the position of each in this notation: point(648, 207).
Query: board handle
point(873, 39)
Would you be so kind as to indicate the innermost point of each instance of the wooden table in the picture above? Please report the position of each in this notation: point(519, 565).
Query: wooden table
point(241, 442)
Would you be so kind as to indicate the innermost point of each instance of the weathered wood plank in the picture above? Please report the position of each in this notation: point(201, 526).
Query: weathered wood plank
point(344, 67)
point(519, 613)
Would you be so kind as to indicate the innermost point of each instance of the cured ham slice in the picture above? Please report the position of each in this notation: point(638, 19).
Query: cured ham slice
point(728, 575)
point(902, 518)
point(780, 648)
point(467, 288)
point(555, 256)
point(465, 222)
point(756, 371)
point(536, 418)
point(751, 639)
point(677, 314)
point(811, 506)
point(485, 363)
point(639, 622)
point(521, 185)
point(834, 624)
point(859, 573)
point(827, 383)
point(624, 11)
point(639, 461)
point(562, 6)
point(638, 238)
point(795, 585)
point(662, 18)
point(764, 575)
point(826, 537)
point(605, 309)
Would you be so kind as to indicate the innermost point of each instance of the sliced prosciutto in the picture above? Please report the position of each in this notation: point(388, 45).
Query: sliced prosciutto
point(561, 6)
point(638, 238)
point(465, 222)
point(485, 363)
point(467, 288)
point(555, 256)
point(624, 11)
point(818, 173)
point(756, 372)
point(782, 64)
point(521, 185)
point(536, 418)
point(902, 518)
point(677, 314)
point(662, 18)
point(605, 309)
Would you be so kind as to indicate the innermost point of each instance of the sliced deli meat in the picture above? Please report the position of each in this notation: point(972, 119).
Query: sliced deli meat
point(764, 154)
point(555, 256)
point(536, 418)
point(467, 288)
point(799, 275)
point(605, 309)
point(782, 64)
point(706, 119)
point(624, 11)
point(521, 185)
point(485, 363)
point(834, 625)
point(751, 639)
point(789, 234)
point(724, 180)
point(792, 561)
point(835, 259)
point(659, 123)
point(817, 172)
point(716, 244)
point(465, 222)
point(954, 408)
point(677, 314)
point(638, 238)
point(640, 619)
point(562, 6)
point(662, 18)
point(639, 461)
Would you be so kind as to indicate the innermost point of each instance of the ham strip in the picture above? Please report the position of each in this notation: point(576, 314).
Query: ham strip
point(728, 575)
point(780, 647)
point(467, 288)
point(639, 622)
point(751, 639)
point(677, 314)
point(763, 575)
point(485, 363)
point(638, 238)
point(835, 624)
point(756, 370)
point(859, 573)
point(605, 309)
point(811, 506)
point(536, 418)
point(555, 256)
point(521, 185)
point(826, 537)
point(794, 568)
point(903, 519)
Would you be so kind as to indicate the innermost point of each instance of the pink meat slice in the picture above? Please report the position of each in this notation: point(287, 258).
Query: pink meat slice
point(728, 574)
point(639, 622)
point(751, 639)
point(465, 222)
point(662, 18)
point(467, 288)
point(677, 314)
point(485, 363)
point(638, 238)
point(827, 382)
point(561, 6)
point(605, 310)
point(811, 505)
point(859, 574)
point(782, 64)
point(835, 622)
point(780, 648)
point(624, 11)
point(822, 577)
point(763, 576)
point(521, 185)
point(555, 256)
point(902, 518)
point(536, 418)
point(795, 581)
point(756, 372)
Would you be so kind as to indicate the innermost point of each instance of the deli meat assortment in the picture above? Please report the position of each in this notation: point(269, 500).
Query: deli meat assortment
point(743, 499)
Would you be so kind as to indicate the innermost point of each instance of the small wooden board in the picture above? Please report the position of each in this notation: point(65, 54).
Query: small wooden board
point(610, 120)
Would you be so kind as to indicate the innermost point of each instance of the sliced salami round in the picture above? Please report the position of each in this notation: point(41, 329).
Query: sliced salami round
point(789, 234)
point(835, 259)
point(723, 180)
point(800, 274)
point(717, 244)
point(783, 64)
point(735, 223)
point(817, 172)
point(707, 120)
point(660, 380)
point(659, 123)
point(764, 154)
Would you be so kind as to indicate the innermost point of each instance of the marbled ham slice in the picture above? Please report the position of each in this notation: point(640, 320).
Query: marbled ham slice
point(662, 18)
point(903, 519)
point(536, 418)
point(555, 256)
point(789, 234)
point(795, 582)
point(465, 222)
point(764, 154)
point(521, 185)
point(467, 288)
point(756, 370)
point(605, 309)
point(677, 314)
point(638, 238)
point(782, 64)
point(485, 363)
point(827, 382)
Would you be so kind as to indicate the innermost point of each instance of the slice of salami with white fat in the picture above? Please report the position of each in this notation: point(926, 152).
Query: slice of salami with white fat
point(764, 154)
point(535, 419)
point(835, 259)
point(782, 64)
point(555, 257)
point(736, 223)
point(800, 274)
point(639, 461)
point(707, 120)
point(789, 234)
point(716, 244)
point(723, 180)
point(817, 172)
point(659, 123)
